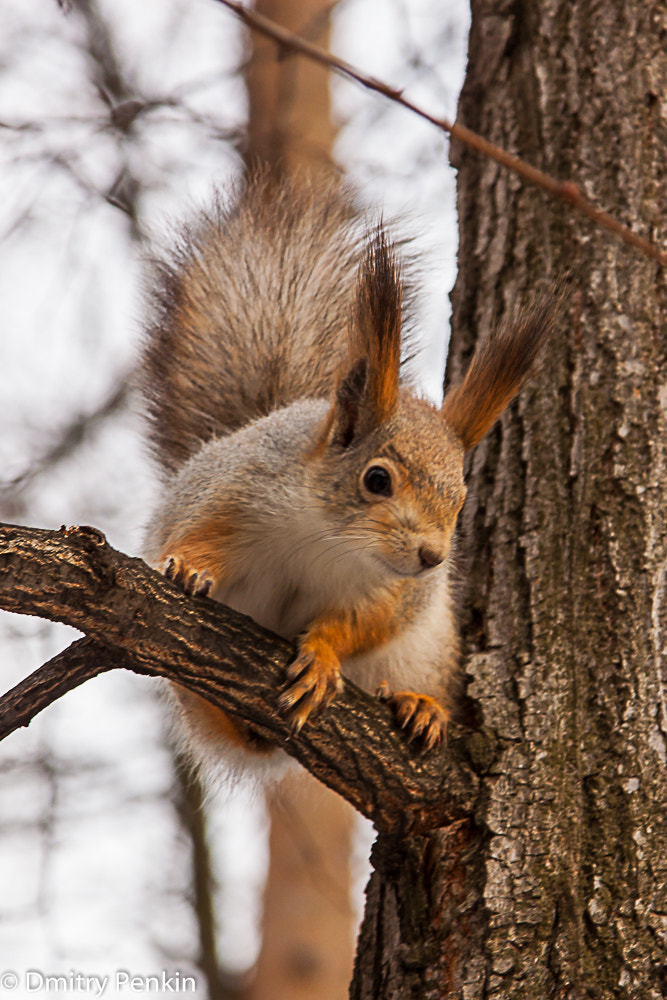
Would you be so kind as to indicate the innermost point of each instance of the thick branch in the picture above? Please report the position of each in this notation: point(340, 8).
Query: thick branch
point(136, 619)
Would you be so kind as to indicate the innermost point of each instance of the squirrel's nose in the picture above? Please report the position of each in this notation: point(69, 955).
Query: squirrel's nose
point(429, 557)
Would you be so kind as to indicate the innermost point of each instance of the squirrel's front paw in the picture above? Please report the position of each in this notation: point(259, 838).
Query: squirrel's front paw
point(313, 681)
point(190, 580)
point(422, 717)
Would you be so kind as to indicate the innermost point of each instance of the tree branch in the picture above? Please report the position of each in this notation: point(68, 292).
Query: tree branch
point(61, 674)
point(566, 191)
point(68, 440)
point(136, 619)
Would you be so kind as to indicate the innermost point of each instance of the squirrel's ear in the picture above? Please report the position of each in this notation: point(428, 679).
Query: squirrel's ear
point(347, 409)
point(367, 395)
point(497, 371)
point(377, 330)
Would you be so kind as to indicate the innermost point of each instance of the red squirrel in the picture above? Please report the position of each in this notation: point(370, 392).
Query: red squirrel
point(306, 485)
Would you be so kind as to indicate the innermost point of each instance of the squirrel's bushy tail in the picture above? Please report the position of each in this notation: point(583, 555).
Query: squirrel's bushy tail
point(250, 311)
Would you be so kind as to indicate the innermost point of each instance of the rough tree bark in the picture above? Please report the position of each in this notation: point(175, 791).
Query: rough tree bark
point(136, 619)
point(565, 541)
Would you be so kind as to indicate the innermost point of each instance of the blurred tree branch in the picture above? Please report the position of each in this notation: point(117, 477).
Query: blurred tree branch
point(566, 191)
point(67, 441)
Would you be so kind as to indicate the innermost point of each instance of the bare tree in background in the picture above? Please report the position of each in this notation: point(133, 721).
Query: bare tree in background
point(104, 173)
point(289, 121)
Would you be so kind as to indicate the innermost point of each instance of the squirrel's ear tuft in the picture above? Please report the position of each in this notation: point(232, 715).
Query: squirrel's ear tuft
point(377, 329)
point(347, 410)
point(497, 371)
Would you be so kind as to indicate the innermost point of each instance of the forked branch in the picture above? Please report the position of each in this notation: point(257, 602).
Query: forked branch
point(137, 620)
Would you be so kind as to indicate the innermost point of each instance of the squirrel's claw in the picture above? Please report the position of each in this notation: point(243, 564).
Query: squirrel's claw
point(191, 581)
point(313, 681)
point(422, 717)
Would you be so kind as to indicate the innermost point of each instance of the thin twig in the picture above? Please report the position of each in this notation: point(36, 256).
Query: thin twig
point(566, 191)
point(69, 439)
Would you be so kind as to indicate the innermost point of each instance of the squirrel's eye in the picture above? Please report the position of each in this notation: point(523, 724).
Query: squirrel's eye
point(378, 480)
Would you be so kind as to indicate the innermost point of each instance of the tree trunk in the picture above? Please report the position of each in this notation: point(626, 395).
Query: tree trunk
point(560, 887)
point(308, 939)
point(289, 120)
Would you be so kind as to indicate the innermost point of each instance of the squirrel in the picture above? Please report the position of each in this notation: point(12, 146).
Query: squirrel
point(305, 484)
